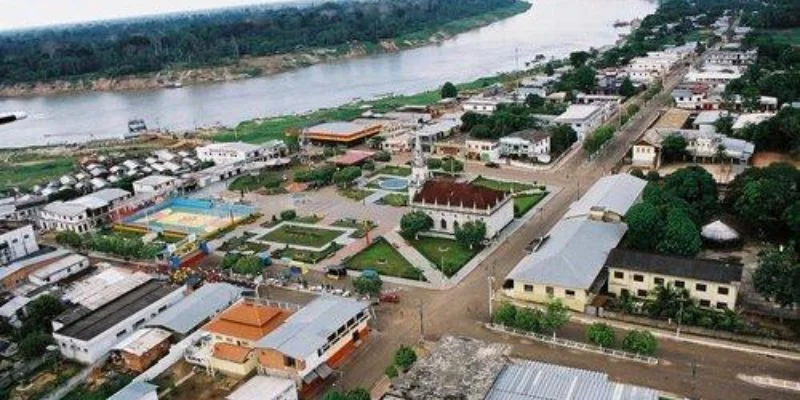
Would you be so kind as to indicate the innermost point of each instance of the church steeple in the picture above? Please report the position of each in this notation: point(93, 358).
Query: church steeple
point(419, 169)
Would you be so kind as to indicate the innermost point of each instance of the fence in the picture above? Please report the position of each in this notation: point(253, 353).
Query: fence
point(571, 344)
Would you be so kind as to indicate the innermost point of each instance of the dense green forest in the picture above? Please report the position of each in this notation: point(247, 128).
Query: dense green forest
point(218, 38)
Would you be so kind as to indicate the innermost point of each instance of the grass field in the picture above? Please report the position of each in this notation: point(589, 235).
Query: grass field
point(385, 259)
point(502, 185)
point(29, 174)
point(301, 235)
point(355, 194)
point(523, 203)
point(360, 227)
point(447, 255)
point(394, 170)
point(396, 199)
point(788, 36)
point(250, 182)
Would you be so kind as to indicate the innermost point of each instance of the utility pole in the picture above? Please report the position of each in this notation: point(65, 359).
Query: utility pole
point(421, 323)
point(490, 280)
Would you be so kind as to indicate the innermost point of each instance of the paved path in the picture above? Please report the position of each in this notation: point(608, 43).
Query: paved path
point(435, 278)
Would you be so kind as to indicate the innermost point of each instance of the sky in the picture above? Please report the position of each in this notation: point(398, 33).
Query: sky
point(16, 14)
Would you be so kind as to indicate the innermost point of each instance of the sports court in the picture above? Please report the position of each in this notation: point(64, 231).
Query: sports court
point(190, 216)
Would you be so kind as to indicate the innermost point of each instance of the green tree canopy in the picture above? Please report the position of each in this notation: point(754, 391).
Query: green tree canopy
point(449, 90)
point(579, 58)
point(724, 125)
point(34, 345)
point(600, 334)
point(640, 342)
point(405, 357)
point(674, 147)
point(368, 285)
point(777, 276)
point(645, 226)
point(681, 236)
point(561, 138)
point(505, 314)
point(346, 176)
point(412, 223)
point(556, 315)
point(696, 186)
point(41, 311)
point(471, 233)
point(627, 89)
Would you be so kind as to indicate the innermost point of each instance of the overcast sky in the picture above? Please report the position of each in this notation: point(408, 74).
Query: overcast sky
point(16, 14)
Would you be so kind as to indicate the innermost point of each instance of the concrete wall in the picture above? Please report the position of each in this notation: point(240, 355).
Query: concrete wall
point(538, 293)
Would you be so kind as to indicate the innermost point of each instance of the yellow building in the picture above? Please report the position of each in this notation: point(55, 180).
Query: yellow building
point(346, 133)
point(715, 284)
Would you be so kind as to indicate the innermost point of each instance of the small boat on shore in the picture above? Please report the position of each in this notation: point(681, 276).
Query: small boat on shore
point(8, 117)
point(135, 127)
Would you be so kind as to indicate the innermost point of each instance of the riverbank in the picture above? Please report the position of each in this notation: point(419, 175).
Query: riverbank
point(251, 67)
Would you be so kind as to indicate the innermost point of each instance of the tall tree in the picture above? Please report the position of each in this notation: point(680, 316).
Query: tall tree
point(777, 276)
point(412, 223)
point(645, 226)
point(471, 233)
point(681, 236)
point(449, 90)
point(696, 186)
point(674, 147)
point(627, 89)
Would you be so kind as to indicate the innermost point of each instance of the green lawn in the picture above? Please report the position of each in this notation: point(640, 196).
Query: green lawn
point(355, 194)
point(523, 203)
point(502, 185)
point(249, 182)
point(240, 243)
point(788, 36)
point(302, 235)
point(29, 174)
point(385, 259)
point(396, 199)
point(394, 170)
point(360, 227)
point(311, 257)
point(446, 254)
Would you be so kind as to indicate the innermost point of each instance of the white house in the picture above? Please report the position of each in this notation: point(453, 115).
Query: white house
point(84, 213)
point(158, 184)
point(583, 118)
point(235, 152)
point(713, 79)
point(530, 144)
point(86, 335)
point(483, 105)
point(59, 270)
point(729, 57)
point(483, 150)
point(701, 145)
point(17, 240)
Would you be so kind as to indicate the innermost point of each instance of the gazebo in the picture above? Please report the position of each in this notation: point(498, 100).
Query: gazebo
point(719, 233)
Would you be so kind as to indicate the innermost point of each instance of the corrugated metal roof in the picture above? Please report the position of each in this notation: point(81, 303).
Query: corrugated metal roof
point(204, 302)
point(134, 391)
point(307, 330)
point(615, 193)
point(572, 256)
point(262, 387)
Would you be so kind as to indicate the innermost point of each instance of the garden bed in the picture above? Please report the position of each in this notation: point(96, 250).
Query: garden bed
point(395, 200)
point(298, 235)
point(394, 170)
point(360, 227)
point(240, 243)
point(306, 256)
point(504, 185)
point(447, 255)
point(382, 257)
point(355, 193)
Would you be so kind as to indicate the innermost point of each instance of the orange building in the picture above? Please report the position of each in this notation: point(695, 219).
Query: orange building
point(342, 132)
point(235, 331)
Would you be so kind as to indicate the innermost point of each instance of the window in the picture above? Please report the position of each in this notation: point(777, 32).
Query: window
point(700, 287)
point(619, 275)
point(641, 293)
point(569, 293)
point(722, 306)
point(528, 288)
point(705, 303)
point(122, 332)
point(658, 281)
point(289, 361)
point(624, 292)
point(549, 290)
point(679, 284)
point(722, 290)
point(638, 278)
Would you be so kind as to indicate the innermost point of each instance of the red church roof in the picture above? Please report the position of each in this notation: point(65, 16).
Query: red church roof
point(444, 192)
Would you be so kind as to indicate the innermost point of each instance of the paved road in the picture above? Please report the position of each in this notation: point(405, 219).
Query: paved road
point(463, 309)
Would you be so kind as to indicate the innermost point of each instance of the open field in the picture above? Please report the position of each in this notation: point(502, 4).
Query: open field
point(385, 259)
point(301, 235)
point(524, 202)
point(29, 174)
point(446, 254)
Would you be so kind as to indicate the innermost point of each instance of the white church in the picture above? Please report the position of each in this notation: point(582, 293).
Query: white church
point(451, 204)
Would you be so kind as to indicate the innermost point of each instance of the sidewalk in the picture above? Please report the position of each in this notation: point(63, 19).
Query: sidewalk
point(436, 279)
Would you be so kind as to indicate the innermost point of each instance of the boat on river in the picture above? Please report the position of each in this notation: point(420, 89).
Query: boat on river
point(9, 117)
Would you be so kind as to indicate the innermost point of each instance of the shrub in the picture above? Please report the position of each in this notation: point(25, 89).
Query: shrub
point(434, 163)
point(383, 156)
point(288, 215)
point(391, 372)
point(405, 357)
point(600, 334)
point(640, 342)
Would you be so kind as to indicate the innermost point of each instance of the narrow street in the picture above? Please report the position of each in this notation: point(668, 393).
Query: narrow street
point(463, 309)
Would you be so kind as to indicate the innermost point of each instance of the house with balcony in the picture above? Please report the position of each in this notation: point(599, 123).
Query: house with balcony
point(531, 144)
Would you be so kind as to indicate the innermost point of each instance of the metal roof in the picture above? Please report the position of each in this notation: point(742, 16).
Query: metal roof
point(58, 266)
point(572, 256)
point(154, 180)
point(142, 341)
point(134, 391)
point(261, 387)
point(682, 267)
point(616, 193)
point(533, 380)
point(195, 308)
point(578, 112)
point(307, 330)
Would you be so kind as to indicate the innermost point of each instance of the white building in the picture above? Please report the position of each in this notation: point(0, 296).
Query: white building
point(59, 270)
point(701, 145)
point(583, 118)
point(17, 240)
point(236, 152)
point(729, 57)
point(86, 335)
point(483, 105)
point(158, 184)
point(713, 79)
point(528, 144)
point(84, 213)
point(261, 387)
point(745, 120)
point(483, 150)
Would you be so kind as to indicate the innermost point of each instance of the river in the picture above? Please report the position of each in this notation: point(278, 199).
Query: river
point(550, 27)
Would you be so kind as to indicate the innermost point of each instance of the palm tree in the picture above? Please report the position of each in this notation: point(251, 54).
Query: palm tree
point(667, 301)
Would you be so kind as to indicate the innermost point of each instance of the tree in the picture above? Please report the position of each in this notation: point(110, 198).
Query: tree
point(368, 285)
point(777, 276)
point(561, 138)
point(534, 101)
point(578, 58)
point(640, 342)
point(391, 372)
point(791, 218)
point(346, 176)
point(637, 172)
point(449, 90)
point(505, 315)
point(481, 131)
point(764, 202)
point(645, 226)
point(450, 164)
point(556, 315)
point(383, 156)
point(549, 70)
point(724, 125)
point(627, 89)
point(249, 265)
point(667, 301)
point(411, 224)
point(471, 233)
point(34, 345)
point(434, 163)
point(674, 147)
point(696, 186)
point(681, 236)
point(358, 394)
point(405, 357)
point(69, 239)
point(528, 320)
point(288, 215)
point(600, 334)
point(41, 311)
